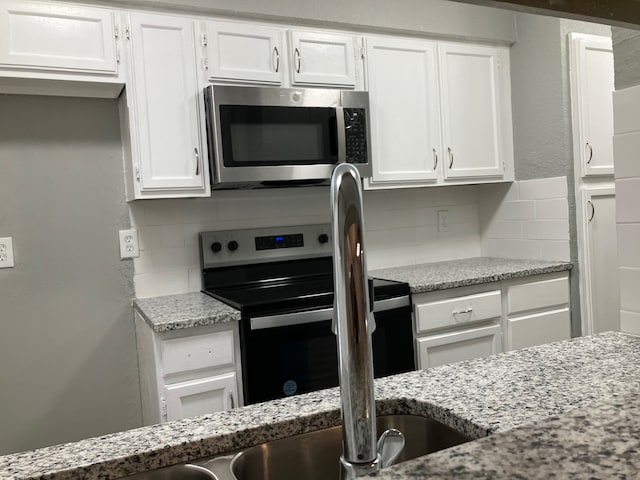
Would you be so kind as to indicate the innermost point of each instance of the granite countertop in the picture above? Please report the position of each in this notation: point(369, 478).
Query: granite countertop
point(567, 409)
point(428, 277)
point(175, 312)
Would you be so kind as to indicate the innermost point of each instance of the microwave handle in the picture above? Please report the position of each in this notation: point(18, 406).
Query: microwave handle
point(341, 134)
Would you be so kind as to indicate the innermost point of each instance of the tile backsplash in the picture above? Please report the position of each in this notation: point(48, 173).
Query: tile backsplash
point(401, 228)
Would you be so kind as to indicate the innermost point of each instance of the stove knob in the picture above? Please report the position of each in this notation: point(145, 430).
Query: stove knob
point(323, 238)
point(232, 245)
point(216, 247)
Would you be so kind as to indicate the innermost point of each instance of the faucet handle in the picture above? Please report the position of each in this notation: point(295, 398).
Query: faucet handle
point(390, 445)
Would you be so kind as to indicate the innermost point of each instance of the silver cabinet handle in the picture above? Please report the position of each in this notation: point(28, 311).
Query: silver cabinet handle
point(450, 157)
point(435, 158)
point(195, 150)
point(232, 400)
point(593, 210)
point(276, 54)
point(296, 52)
point(460, 312)
point(590, 153)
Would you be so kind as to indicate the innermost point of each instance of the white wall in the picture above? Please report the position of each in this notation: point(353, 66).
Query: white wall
point(526, 219)
point(401, 228)
point(626, 104)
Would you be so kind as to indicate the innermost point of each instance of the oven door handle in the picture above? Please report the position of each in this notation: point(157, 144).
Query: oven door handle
point(313, 316)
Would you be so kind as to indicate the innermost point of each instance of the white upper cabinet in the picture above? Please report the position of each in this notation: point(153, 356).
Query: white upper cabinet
point(403, 95)
point(476, 109)
point(165, 108)
point(244, 52)
point(55, 36)
point(592, 84)
point(322, 59)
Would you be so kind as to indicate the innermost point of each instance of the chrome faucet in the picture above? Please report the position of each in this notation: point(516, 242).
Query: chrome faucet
point(354, 324)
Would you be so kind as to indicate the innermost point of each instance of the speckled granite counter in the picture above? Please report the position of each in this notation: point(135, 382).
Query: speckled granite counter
point(468, 271)
point(477, 397)
point(174, 312)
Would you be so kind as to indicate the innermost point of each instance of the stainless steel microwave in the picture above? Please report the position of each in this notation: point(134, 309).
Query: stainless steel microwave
point(268, 137)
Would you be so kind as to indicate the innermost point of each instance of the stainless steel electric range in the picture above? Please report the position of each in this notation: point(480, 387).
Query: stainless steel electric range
point(281, 280)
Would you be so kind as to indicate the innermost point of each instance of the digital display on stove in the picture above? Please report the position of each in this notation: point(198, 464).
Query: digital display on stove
point(279, 241)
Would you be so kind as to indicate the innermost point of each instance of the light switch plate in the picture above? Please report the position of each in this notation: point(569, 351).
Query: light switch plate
point(6, 252)
point(129, 244)
point(443, 220)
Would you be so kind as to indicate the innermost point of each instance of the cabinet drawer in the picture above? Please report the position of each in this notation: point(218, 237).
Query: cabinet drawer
point(538, 295)
point(197, 352)
point(202, 396)
point(458, 346)
point(539, 328)
point(459, 310)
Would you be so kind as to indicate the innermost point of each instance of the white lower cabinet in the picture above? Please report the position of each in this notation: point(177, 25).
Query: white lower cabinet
point(188, 372)
point(538, 328)
point(460, 345)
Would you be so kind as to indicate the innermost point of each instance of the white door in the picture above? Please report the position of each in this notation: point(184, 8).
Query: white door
point(57, 37)
point(592, 84)
point(245, 52)
point(198, 397)
point(322, 59)
point(458, 346)
point(471, 110)
point(601, 293)
point(166, 142)
point(403, 94)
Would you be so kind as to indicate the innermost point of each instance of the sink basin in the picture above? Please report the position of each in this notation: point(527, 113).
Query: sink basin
point(311, 456)
point(315, 455)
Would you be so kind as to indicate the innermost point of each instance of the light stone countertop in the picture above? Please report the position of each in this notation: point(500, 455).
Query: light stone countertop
point(527, 398)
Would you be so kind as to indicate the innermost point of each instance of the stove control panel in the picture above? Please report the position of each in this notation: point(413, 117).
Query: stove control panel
point(237, 247)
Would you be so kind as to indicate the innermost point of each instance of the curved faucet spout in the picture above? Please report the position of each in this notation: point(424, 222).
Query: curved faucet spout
point(353, 324)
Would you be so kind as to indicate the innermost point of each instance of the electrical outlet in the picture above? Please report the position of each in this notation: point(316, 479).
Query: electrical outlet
point(129, 244)
point(443, 220)
point(6, 252)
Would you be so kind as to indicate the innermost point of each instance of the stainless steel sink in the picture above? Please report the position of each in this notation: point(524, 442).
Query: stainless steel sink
point(312, 456)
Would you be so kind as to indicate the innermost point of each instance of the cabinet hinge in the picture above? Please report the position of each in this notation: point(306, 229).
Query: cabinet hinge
point(137, 173)
point(127, 32)
point(204, 39)
point(163, 408)
point(117, 55)
point(205, 63)
point(499, 65)
point(116, 32)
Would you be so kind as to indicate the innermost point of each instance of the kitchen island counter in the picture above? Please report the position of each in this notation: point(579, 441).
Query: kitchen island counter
point(522, 397)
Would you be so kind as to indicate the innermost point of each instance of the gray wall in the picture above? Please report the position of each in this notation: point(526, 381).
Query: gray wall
point(626, 47)
point(67, 349)
point(541, 103)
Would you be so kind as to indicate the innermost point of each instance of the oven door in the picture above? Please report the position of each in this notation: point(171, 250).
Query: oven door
point(288, 354)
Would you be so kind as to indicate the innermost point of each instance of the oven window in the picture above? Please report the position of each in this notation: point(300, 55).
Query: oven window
point(263, 136)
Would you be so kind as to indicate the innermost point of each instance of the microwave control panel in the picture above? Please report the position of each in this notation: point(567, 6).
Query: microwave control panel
point(355, 130)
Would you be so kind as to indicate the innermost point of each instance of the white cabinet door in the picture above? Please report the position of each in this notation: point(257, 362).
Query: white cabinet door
point(166, 123)
point(322, 59)
point(458, 346)
point(538, 328)
point(245, 52)
point(472, 104)
point(592, 83)
point(57, 37)
point(602, 293)
point(201, 396)
point(403, 94)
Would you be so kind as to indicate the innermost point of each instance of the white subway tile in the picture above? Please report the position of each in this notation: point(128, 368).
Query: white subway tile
point(626, 152)
point(626, 105)
point(517, 248)
point(489, 247)
point(245, 208)
point(555, 250)
point(195, 279)
point(630, 322)
point(546, 230)
point(160, 236)
point(391, 237)
point(552, 209)
point(161, 283)
point(498, 229)
point(628, 200)
point(162, 259)
point(170, 211)
point(628, 244)
point(401, 199)
point(136, 213)
point(426, 197)
point(426, 216)
point(517, 210)
point(456, 195)
point(292, 205)
point(389, 219)
point(390, 256)
point(629, 288)
point(555, 187)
